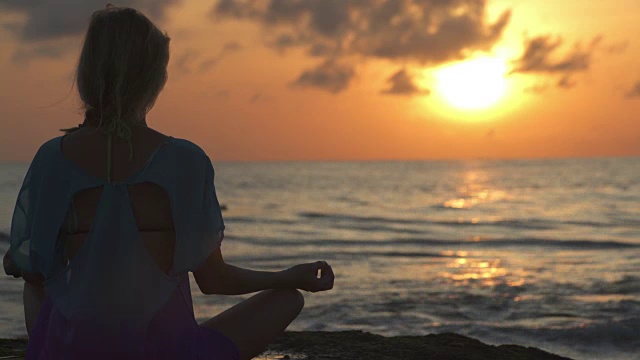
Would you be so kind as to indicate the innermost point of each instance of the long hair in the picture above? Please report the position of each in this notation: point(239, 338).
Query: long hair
point(122, 69)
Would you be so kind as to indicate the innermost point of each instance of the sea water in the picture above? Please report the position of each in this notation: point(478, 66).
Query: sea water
point(541, 253)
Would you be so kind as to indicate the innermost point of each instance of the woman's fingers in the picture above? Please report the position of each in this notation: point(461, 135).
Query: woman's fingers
point(319, 265)
point(328, 277)
point(325, 281)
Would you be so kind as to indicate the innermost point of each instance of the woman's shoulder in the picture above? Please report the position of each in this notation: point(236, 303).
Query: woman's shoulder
point(188, 148)
point(48, 149)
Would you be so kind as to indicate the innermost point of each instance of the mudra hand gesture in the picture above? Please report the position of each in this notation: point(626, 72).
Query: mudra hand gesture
point(305, 276)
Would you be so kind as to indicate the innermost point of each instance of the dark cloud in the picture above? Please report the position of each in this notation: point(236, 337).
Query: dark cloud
point(224, 93)
point(634, 92)
point(207, 64)
point(329, 75)
point(23, 56)
point(542, 55)
point(47, 20)
point(618, 48)
point(537, 89)
point(233, 9)
point(231, 46)
point(401, 83)
point(255, 98)
point(539, 57)
point(284, 41)
point(258, 96)
point(566, 82)
point(319, 50)
point(419, 31)
point(11, 27)
point(185, 61)
point(227, 48)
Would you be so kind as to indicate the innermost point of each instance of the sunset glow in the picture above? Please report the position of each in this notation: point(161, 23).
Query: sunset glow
point(251, 82)
point(473, 84)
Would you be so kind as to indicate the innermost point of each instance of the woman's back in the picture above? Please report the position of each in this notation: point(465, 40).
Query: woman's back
point(125, 235)
point(87, 149)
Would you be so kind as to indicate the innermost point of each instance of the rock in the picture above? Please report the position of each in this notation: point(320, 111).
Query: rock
point(12, 347)
point(354, 345)
point(359, 345)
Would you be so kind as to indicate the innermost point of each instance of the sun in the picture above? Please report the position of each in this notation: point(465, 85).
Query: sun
point(473, 84)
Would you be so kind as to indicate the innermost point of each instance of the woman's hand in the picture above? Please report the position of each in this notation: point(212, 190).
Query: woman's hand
point(305, 276)
point(9, 266)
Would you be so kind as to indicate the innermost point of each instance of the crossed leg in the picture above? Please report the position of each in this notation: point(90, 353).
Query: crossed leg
point(256, 322)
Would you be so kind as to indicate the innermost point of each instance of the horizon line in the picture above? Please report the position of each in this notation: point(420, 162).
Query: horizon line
point(532, 158)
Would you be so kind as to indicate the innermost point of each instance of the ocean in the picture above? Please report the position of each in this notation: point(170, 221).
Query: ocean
point(542, 253)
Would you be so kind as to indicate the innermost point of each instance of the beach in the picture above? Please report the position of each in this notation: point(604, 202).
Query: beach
point(538, 253)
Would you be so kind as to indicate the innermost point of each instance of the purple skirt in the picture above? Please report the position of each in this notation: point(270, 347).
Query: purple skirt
point(172, 334)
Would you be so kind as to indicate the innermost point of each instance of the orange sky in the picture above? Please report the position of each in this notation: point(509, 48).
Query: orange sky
point(234, 92)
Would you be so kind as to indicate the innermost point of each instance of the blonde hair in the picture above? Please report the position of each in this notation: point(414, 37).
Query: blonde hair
point(122, 69)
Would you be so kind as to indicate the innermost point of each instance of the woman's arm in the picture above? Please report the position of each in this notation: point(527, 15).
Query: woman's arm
point(217, 277)
point(33, 293)
point(33, 297)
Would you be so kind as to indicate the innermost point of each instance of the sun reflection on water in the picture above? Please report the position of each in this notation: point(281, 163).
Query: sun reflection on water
point(475, 191)
point(463, 271)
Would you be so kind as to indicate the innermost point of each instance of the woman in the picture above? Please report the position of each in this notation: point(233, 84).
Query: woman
point(113, 215)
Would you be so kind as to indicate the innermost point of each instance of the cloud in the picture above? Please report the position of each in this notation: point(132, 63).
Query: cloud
point(417, 31)
point(23, 56)
point(319, 50)
point(185, 61)
point(49, 29)
point(540, 52)
point(227, 49)
point(537, 88)
point(255, 98)
point(329, 75)
point(565, 82)
point(259, 96)
point(46, 20)
point(400, 83)
point(542, 56)
point(617, 48)
point(231, 46)
point(207, 64)
point(634, 92)
point(224, 93)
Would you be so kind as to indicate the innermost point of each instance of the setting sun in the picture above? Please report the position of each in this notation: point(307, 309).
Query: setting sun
point(474, 84)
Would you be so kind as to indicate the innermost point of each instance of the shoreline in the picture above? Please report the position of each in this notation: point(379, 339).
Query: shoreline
point(356, 344)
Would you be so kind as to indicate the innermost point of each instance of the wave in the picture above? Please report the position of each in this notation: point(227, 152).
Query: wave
point(532, 224)
point(488, 243)
point(254, 220)
point(343, 255)
point(484, 243)
point(528, 224)
point(355, 218)
point(599, 336)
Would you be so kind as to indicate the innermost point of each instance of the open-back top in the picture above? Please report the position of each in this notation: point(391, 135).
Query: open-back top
point(112, 286)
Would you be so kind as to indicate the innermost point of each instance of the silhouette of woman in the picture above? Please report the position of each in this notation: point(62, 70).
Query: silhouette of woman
point(105, 248)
